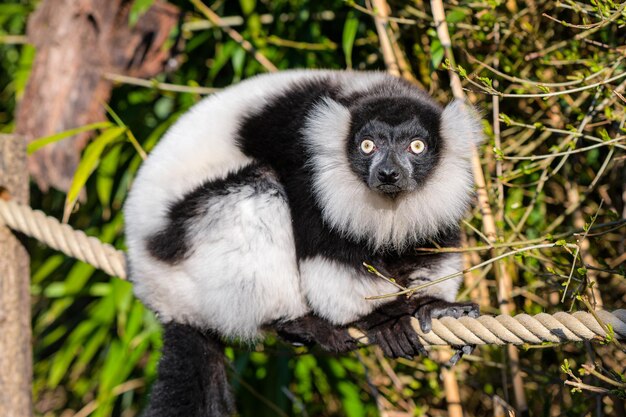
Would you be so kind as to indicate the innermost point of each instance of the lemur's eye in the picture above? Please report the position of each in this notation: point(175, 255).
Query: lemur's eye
point(367, 146)
point(417, 146)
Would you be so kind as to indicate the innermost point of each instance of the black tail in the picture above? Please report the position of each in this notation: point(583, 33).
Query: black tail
point(192, 376)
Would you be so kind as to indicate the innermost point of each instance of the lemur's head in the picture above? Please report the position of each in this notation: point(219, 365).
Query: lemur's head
point(390, 165)
point(394, 143)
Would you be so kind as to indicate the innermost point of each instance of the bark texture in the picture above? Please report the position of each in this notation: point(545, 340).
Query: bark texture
point(77, 42)
point(15, 335)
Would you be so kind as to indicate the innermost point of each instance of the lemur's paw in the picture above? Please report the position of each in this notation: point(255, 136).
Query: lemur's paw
point(311, 329)
point(434, 308)
point(397, 338)
point(338, 341)
point(459, 352)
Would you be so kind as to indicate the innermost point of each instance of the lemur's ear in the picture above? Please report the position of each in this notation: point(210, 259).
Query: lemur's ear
point(461, 126)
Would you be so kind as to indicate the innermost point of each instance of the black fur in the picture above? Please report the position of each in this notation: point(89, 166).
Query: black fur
point(192, 376)
point(171, 244)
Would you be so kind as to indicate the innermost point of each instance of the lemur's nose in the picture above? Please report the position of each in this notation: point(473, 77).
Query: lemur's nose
point(388, 175)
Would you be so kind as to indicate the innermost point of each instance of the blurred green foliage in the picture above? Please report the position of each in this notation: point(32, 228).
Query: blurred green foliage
point(96, 347)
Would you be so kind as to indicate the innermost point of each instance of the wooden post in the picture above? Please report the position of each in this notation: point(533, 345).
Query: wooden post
point(16, 366)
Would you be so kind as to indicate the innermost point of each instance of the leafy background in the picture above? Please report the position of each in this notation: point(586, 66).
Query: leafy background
point(96, 347)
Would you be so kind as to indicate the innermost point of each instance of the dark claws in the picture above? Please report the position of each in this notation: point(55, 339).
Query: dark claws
point(434, 308)
point(460, 351)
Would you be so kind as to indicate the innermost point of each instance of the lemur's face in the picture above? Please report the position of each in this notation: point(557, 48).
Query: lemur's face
point(394, 144)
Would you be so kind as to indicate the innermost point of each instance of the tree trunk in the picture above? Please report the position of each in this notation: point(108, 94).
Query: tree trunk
point(16, 366)
point(77, 43)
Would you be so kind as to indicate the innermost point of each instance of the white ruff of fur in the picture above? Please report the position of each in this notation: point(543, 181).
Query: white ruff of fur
point(352, 208)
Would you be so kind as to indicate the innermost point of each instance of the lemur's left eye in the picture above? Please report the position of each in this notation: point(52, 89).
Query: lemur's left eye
point(417, 146)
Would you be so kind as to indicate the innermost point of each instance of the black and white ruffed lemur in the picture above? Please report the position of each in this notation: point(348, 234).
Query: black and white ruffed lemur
point(259, 206)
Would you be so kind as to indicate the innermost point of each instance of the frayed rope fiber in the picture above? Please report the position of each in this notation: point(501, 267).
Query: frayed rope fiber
point(500, 330)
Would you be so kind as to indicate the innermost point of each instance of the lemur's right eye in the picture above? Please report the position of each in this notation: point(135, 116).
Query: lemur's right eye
point(367, 146)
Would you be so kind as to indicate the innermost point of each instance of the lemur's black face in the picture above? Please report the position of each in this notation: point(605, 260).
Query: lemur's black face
point(394, 143)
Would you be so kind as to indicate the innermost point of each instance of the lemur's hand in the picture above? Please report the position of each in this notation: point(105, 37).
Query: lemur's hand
point(434, 308)
point(397, 338)
point(389, 326)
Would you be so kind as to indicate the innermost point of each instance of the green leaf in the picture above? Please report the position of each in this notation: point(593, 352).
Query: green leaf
point(543, 88)
point(22, 73)
point(66, 356)
point(462, 71)
point(505, 119)
point(88, 163)
point(47, 268)
point(223, 53)
point(350, 28)
point(238, 60)
point(40, 143)
point(486, 81)
point(93, 343)
point(247, 6)
point(456, 15)
point(106, 174)
point(13, 9)
point(604, 134)
point(436, 53)
point(351, 400)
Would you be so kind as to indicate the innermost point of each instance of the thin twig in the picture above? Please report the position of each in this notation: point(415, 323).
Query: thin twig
point(492, 91)
point(142, 82)
point(537, 83)
point(374, 271)
point(411, 290)
point(598, 25)
point(570, 152)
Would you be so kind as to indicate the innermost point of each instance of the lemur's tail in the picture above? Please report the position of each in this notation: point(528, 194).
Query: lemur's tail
point(192, 376)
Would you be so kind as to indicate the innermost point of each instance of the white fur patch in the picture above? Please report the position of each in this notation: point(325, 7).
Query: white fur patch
point(353, 209)
point(337, 292)
point(241, 272)
point(461, 127)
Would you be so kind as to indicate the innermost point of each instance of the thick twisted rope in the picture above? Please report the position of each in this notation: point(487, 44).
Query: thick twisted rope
point(521, 329)
point(62, 237)
point(499, 330)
